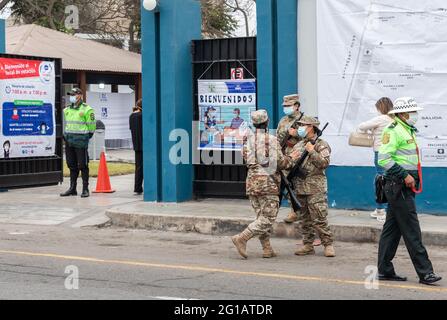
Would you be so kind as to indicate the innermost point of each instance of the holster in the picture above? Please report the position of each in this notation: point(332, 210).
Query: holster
point(393, 188)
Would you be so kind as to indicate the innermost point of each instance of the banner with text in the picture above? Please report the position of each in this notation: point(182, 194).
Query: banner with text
point(27, 112)
point(385, 48)
point(225, 113)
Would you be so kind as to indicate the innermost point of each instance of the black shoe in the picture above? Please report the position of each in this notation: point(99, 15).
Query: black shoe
point(69, 192)
point(391, 277)
point(85, 193)
point(430, 278)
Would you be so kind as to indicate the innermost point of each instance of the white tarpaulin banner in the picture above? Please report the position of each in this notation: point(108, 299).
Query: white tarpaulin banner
point(382, 48)
point(114, 110)
point(27, 108)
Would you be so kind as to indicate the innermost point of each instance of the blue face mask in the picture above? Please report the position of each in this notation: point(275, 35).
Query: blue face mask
point(302, 132)
point(73, 99)
point(288, 111)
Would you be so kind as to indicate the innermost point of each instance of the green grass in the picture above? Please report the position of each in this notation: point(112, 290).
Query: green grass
point(114, 168)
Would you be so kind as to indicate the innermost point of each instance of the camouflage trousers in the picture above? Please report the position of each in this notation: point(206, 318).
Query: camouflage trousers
point(266, 209)
point(314, 211)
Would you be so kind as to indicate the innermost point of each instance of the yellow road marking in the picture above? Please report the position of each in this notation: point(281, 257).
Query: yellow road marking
point(218, 270)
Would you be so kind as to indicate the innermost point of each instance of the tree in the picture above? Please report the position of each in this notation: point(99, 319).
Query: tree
point(217, 19)
point(245, 8)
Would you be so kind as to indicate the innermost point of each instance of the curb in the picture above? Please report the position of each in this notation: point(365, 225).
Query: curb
point(223, 226)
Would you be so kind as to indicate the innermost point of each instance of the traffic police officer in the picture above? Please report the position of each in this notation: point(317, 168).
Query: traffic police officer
point(399, 156)
point(80, 125)
point(264, 159)
point(288, 136)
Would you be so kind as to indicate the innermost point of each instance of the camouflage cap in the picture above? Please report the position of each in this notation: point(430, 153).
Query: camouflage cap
point(306, 120)
point(259, 117)
point(75, 91)
point(291, 100)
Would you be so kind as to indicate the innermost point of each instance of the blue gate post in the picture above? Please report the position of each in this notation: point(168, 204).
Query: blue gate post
point(168, 96)
point(2, 36)
point(277, 54)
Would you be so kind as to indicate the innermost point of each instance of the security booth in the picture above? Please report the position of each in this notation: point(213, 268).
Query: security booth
point(224, 72)
point(30, 121)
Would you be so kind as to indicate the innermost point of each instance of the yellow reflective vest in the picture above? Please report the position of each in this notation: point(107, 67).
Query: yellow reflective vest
point(80, 125)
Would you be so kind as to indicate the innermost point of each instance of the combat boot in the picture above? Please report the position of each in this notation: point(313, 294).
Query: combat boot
point(240, 242)
point(291, 217)
point(71, 191)
point(267, 248)
point(329, 251)
point(85, 192)
point(305, 250)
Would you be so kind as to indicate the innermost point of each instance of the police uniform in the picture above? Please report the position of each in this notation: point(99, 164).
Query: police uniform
point(79, 127)
point(311, 191)
point(399, 157)
point(264, 159)
point(288, 142)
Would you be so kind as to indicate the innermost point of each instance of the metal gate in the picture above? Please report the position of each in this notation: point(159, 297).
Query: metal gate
point(37, 171)
point(213, 59)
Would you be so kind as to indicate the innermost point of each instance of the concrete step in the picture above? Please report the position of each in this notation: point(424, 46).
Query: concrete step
point(233, 217)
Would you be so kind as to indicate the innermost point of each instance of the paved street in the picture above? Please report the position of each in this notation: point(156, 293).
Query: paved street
point(42, 234)
point(129, 264)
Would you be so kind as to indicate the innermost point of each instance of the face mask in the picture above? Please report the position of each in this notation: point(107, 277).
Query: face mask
point(288, 111)
point(73, 99)
point(302, 132)
point(6, 148)
point(15, 112)
point(414, 117)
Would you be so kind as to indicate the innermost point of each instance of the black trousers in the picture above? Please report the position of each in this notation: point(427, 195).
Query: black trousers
point(138, 188)
point(402, 221)
point(77, 160)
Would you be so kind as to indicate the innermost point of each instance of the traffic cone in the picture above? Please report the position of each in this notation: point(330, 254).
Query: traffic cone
point(103, 182)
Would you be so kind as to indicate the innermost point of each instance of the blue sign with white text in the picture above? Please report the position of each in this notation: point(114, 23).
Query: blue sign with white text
point(27, 120)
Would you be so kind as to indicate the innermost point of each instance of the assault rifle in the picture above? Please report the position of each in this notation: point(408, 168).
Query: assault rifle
point(296, 171)
point(287, 136)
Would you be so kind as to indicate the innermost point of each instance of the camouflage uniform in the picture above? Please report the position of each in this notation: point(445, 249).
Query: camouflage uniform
point(264, 159)
point(312, 192)
point(282, 132)
point(264, 180)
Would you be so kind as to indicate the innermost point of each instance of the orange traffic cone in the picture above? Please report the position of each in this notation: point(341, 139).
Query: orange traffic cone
point(103, 182)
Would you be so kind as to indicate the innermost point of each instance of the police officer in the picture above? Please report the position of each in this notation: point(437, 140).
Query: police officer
point(264, 159)
point(288, 136)
point(311, 189)
point(80, 125)
point(399, 156)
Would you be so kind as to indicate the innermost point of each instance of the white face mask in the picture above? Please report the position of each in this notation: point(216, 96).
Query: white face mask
point(73, 99)
point(413, 119)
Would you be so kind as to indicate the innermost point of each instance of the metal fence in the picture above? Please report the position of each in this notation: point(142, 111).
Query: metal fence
point(25, 172)
point(219, 56)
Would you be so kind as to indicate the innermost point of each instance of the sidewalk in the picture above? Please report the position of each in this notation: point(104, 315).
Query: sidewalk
point(227, 217)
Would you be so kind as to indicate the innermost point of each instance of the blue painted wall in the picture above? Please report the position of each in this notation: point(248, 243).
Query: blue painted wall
point(2, 36)
point(352, 188)
point(167, 95)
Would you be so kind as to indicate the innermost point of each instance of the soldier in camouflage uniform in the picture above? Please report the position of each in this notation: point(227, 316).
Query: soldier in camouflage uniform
point(287, 136)
point(312, 189)
point(264, 159)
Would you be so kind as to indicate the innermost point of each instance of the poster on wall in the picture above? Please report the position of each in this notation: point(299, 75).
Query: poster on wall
point(27, 108)
point(225, 108)
point(384, 48)
point(113, 109)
